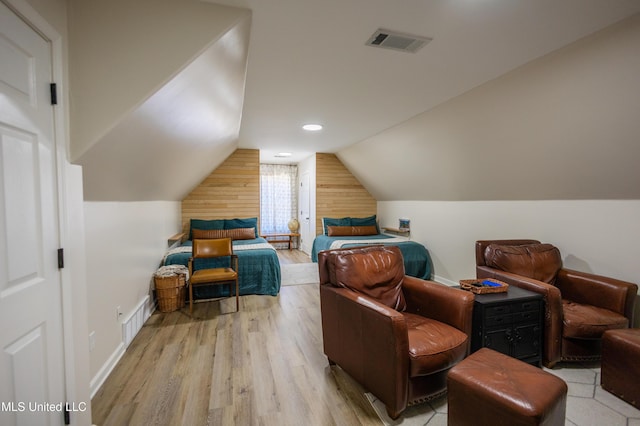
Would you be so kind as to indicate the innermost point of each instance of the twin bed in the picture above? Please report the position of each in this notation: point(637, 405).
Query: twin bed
point(354, 232)
point(259, 268)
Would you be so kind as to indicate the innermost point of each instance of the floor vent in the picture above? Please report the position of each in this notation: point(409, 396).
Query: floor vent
point(132, 325)
point(397, 41)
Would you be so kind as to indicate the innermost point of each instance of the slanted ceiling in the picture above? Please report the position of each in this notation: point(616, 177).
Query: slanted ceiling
point(156, 94)
point(563, 127)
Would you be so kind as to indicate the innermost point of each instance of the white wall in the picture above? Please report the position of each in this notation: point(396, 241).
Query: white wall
point(599, 237)
point(125, 243)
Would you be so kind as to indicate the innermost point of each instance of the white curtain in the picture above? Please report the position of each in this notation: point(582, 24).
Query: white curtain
point(278, 197)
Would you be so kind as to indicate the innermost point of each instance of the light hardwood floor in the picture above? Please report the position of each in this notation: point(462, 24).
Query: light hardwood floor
point(293, 256)
point(263, 365)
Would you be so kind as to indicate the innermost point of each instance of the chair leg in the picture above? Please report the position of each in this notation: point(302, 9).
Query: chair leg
point(237, 297)
point(393, 414)
point(190, 298)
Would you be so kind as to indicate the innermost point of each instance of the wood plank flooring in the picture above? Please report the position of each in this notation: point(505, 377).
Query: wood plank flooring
point(293, 256)
point(263, 365)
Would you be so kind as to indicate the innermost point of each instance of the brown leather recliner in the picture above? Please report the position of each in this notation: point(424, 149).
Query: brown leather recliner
point(579, 307)
point(396, 335)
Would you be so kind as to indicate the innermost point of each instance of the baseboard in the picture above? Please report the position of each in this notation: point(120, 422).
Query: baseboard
point(445, 281)
point(106, 369)
point(305, 249)
point(130, 328)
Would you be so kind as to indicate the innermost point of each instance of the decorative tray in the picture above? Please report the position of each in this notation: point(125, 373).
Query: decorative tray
point(484, 285)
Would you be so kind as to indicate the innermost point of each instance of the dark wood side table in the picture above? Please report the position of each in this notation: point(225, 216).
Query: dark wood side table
point(510, 323)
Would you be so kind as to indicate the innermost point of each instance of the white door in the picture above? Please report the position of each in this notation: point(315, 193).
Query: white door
point(305, 214)
point(31, 363)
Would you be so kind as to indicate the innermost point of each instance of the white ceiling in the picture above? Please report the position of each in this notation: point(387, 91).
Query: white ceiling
point(308, 61)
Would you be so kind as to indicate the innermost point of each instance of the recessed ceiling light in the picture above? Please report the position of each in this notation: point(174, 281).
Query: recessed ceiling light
point(283, 154)
point(312, 127)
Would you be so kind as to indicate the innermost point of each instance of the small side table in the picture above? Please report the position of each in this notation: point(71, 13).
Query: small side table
point(510, 323)
point(281, 238)
point(176, 239)
point(398, 231)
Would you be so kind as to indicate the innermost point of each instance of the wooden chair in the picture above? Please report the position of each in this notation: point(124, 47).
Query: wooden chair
point(210, 249)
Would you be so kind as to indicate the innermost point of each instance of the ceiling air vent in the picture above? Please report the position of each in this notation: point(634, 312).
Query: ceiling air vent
point(397, 41)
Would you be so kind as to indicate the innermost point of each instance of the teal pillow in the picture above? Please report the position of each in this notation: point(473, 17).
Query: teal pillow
point(328, 221)
point(251, 222)
point(205, 225)
point(365, 221)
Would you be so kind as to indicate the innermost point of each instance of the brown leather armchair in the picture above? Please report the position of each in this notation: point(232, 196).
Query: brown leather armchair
point(579, 307)
point(396, 335)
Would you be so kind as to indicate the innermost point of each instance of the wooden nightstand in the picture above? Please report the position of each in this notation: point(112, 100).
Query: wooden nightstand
point(176, 239)
point(398, 231)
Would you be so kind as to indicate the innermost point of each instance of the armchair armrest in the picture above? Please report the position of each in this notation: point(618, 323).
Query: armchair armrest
point(440, 302)
point(609, 293)
point(368, 340)
point(552, 308)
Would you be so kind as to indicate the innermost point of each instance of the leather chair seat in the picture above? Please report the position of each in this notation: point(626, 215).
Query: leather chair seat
point(433, 345)
point(589, 322)
point(217, 274)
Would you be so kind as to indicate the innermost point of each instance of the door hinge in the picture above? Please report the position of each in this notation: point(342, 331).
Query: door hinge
point(54, 94)
point(67, 414)
point(60, 258)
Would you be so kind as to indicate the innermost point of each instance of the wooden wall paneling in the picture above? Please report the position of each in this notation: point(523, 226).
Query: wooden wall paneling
point(232, 190)
point(338, 192)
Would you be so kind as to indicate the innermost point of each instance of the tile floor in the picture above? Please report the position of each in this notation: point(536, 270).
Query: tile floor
point(587, 403)
point(299, 273)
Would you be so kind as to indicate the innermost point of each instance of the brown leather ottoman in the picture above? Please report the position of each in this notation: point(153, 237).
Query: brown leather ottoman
point(620, 371)
point(490, 388)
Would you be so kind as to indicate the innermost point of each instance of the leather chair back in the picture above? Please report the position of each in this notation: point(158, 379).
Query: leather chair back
point(376, 271)
point(212, 248)
point(482, 245)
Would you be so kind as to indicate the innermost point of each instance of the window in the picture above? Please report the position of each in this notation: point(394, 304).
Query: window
point(278, 197)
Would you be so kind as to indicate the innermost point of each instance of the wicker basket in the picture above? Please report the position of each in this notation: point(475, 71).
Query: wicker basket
point(469, 285)
point(170, 292)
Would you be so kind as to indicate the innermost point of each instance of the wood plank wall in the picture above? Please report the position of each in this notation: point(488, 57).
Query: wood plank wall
point(232, 190)
point(338, 192)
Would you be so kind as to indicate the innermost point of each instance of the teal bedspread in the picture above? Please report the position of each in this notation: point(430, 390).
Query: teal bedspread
point(417, 262)
point(258, 270)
